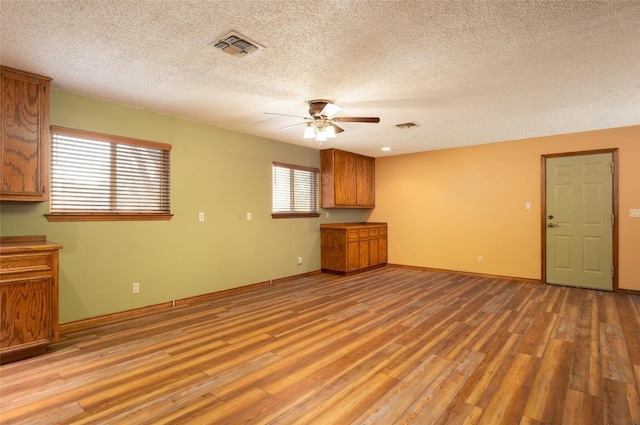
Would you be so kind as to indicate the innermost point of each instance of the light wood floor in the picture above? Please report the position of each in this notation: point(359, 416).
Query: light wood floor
point(388, 346)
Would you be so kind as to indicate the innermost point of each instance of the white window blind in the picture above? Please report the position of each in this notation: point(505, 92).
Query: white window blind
point(94, 173)
point(295, 191)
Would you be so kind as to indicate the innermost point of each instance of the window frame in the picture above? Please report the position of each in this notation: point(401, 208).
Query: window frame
point(316, 196)
point(59, 216)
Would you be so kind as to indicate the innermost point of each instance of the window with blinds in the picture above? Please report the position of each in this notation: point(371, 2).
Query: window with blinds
point(104, 177)
point(295, 191)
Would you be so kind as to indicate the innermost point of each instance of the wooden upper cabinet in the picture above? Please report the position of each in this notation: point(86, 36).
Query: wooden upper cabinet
point(24, 136)
point(347, 179)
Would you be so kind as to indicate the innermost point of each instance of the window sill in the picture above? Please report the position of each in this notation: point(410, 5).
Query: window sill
point(107, 216)
point(294, 215)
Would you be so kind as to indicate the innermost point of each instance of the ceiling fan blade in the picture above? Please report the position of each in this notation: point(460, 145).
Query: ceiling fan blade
point(357, 119)
point(286, 115)
point(336, 128)
point(330, 109)
point(316, 107)
point(291, 126)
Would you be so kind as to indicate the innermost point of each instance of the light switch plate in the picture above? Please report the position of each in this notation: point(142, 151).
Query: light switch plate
point(634, 212)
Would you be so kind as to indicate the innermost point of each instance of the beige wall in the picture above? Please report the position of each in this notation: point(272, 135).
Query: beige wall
point(219, 172)
point(445, 208)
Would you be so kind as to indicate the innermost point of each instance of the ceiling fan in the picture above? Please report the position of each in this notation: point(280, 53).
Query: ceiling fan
point(321, 124)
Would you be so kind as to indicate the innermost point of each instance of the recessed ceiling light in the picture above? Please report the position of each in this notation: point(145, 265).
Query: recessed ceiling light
point(386, 148)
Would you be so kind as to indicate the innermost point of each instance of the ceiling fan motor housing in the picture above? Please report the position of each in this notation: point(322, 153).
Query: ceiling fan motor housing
point(317, 106)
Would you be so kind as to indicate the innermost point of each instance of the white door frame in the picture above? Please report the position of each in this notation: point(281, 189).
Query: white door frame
point(543, 208)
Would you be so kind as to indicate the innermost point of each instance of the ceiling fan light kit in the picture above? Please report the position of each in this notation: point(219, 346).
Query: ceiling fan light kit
point(321, 124)
point(309, 132)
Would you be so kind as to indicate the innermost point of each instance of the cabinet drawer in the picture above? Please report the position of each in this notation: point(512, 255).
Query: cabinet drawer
point(363, 233)
point(382, 231)
point(373, 232)
point(352, 233)
point(17, 263)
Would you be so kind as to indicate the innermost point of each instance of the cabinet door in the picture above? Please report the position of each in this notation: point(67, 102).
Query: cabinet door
point(374, 251)
point(25, 312)
point(24, 133)
point(366, 181)
point(353, 255)
point(364, 247)
point(382, 249)
point(345, 178)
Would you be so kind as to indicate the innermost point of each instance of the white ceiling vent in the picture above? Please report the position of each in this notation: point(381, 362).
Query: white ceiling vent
point(236, 44)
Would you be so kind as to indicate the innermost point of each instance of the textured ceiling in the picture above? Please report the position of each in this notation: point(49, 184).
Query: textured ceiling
point(466, 72)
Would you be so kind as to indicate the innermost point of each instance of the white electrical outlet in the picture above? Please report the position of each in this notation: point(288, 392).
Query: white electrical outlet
point(527, 205)
point(248, 216)
point(201, 216)
point(136, 287)
point(480, 259)
point(299, 260)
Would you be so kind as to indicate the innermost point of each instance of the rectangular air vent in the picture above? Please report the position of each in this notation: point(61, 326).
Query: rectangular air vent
point(406, 125)
point(236, 44)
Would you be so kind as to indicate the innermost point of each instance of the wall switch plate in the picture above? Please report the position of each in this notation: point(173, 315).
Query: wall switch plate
point(299, 260)
point(634, 212)
point(201, 216)
point(136, 288)
point(480, 259)
point(527, 205)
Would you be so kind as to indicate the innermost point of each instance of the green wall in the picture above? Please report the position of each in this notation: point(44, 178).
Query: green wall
point(222, 173)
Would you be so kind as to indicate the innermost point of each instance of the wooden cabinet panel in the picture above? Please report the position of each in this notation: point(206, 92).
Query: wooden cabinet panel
point(363, 253)
point(24, 136)
point(382, 249)
point(374, 251)
point(347, 180)
point(365, 189)
point(344, 178)
point(25, 312)
point(28, 296)
point(352, 257)
point(351, 247)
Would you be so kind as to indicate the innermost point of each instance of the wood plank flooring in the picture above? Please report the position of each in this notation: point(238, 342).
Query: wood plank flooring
point(389, 346)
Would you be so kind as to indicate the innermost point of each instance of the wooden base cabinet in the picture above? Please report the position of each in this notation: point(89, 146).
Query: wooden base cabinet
point(352, 247)
point(28, 296)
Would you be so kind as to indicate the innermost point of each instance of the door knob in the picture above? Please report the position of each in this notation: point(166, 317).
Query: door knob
point(552, 225)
